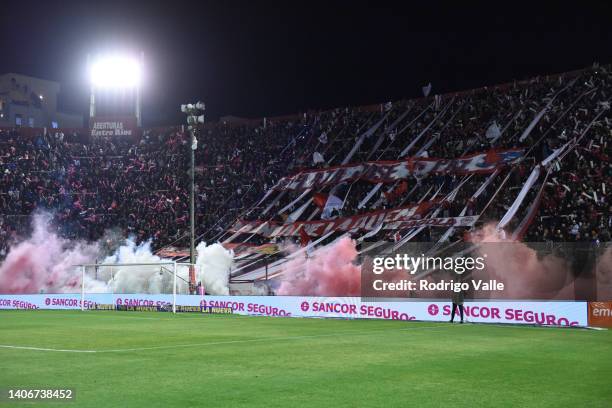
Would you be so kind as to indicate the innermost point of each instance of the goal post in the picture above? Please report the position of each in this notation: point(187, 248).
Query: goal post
point(83, 288)
point(134, 278)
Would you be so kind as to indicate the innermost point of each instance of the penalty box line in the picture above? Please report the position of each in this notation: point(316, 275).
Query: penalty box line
point(219, 343)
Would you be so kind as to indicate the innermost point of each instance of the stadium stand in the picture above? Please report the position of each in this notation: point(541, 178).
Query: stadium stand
point(140, 187)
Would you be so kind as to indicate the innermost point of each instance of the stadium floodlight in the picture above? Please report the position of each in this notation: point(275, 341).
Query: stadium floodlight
point(193, 108)
point(116, 72)
point(194, 120)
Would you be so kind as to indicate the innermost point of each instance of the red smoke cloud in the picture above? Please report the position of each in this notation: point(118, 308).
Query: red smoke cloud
point(327, 271)
point(518, 267)
point(44, 263)
point(604, 276)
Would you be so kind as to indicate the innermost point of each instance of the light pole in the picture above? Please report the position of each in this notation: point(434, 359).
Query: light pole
point(138, 102)
point(193, 119)
point(194, 146)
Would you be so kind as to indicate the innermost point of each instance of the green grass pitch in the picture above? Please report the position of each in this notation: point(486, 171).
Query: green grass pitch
point(193, 360)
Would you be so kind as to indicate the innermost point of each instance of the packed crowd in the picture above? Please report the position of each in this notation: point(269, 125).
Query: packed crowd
point(456, 125)
point(124, 187)
point(141, 187)
point(90, 187)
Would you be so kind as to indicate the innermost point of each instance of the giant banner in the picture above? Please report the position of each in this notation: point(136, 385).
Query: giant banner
point(391, 171)
point(510, 312)
point(399, 218)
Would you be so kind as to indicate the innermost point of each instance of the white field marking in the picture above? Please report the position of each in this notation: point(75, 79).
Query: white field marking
point(127, 315)
point(92, 314)
point(217, 343)
point(113, 314)
point(106, 314)
point(45, 349)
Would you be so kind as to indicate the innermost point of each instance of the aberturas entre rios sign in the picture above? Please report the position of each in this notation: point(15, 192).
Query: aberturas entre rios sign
point(113, 127)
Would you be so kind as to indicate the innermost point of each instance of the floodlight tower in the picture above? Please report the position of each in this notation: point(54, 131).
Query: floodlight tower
point(194, 117)
point(117, 73)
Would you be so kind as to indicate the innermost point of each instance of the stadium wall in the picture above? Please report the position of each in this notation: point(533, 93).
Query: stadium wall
point(547, 313)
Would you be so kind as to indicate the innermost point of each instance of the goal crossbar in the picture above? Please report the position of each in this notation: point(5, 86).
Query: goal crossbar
point(173, 264)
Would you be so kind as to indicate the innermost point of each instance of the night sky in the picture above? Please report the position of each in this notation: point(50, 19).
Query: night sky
point(264, 58)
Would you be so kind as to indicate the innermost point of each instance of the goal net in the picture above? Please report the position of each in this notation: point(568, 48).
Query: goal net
point(130, 285)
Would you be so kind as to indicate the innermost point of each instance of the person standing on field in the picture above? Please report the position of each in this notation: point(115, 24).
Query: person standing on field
point(457, 302)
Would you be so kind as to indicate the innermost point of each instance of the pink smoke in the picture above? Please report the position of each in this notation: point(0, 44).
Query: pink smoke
point(327, 271)
point(44, 263)
point(518, 267)
point(603, 275)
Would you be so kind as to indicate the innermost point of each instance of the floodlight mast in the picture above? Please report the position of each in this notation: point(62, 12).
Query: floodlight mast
point(92, 93)
point(139, 94)
point(193, 119)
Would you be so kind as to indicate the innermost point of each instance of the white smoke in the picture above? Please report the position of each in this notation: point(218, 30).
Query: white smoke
point(46, 263)
point(214, 264)
point(151, 279)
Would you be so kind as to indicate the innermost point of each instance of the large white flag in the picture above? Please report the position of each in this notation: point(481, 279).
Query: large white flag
point(317, 158)
point(493, 132)
point(531, 180)
point(333, 203)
